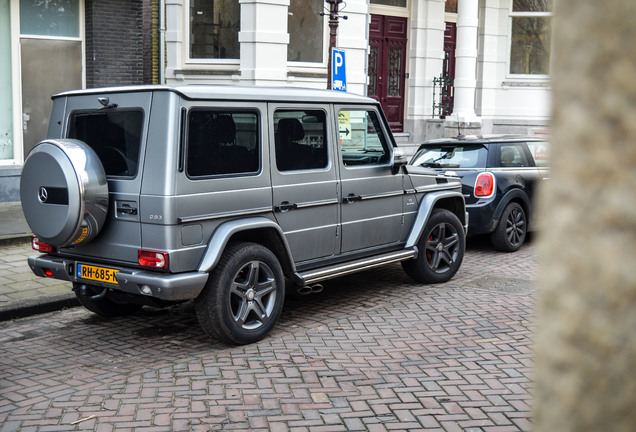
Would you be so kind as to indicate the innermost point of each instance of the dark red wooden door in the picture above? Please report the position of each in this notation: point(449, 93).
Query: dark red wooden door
point(448, 68)
point(387, 64)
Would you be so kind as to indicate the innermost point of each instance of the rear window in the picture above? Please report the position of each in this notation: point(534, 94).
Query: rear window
point(115, 135)
point(451, 156)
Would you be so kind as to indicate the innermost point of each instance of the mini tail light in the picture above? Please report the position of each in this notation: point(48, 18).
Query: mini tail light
point(48, 272)
point(485, 185)
point(39, 246)
point(156, 260)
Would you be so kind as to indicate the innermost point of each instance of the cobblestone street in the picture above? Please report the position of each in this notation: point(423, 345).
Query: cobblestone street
point(374, 351)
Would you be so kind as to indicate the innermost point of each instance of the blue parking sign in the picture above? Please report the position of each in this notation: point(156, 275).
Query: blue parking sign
point(338, 70)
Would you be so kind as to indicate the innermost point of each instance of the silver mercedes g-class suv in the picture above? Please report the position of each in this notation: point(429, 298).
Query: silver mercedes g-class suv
point(154, 195)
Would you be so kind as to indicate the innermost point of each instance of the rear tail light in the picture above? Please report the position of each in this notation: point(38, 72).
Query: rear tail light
point(152, 259)
point(485, 185)
point(39, 246)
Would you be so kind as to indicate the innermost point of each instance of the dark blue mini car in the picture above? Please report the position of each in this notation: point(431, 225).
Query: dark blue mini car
point(500, 176)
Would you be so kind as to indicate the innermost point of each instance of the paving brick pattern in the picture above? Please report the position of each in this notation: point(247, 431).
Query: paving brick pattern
point(373, 352)
point(19, 282)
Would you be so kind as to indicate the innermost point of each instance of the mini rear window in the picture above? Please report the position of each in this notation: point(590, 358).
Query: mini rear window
point(115, 135)
point(451, 156)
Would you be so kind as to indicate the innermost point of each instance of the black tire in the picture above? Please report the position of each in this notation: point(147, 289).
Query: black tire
point(244, 295)
point(103, 306)
point(441, 249)
point(511, 230)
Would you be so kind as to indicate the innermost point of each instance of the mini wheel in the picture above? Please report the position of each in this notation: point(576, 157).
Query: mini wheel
point(511, 230)
point(441, 249)
point(244, 295)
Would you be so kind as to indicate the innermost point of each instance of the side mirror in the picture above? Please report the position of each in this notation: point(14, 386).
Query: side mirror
point(399, 160)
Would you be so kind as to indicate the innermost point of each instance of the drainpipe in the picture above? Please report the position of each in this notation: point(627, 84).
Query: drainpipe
point(162, 41)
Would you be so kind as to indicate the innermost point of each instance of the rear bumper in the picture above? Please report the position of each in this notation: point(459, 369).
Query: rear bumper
point(164, 286)
point(482, 220)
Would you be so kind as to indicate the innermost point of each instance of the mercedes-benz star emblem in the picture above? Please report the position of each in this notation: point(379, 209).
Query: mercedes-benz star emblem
point(43, 195)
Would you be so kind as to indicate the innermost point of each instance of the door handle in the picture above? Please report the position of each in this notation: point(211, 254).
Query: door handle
point(25, 120)
point(285, 206)
point(351, 198)
point(126, 209)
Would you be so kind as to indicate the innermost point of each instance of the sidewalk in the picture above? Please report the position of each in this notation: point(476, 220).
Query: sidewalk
point(21, 292)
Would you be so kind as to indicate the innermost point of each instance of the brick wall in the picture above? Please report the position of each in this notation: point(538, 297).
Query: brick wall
point(118, 41)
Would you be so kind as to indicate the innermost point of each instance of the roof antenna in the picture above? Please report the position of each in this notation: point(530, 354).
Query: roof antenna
point(460, 135)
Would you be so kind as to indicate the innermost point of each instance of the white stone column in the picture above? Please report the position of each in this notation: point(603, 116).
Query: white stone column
point(352, 37)
point(466, 62)
point(426, 56)
point(264, 39)
point(174, 36)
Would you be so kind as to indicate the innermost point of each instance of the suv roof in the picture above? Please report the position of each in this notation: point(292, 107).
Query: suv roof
point(220, 92)
point(483, 139)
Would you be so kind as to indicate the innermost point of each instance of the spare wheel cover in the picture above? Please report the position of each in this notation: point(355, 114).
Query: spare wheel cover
point(64, 192)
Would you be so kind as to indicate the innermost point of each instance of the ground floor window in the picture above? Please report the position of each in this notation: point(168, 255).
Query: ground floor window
point(305, 27)
point(530, 39)
point(214, 28)
point(59, 18)
point(398, 3)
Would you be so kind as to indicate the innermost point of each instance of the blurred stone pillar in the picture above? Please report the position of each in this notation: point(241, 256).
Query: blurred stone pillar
point(586, 336)
point(466, 61)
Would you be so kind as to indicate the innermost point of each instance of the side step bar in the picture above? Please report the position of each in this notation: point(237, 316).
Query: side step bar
point(312, 276)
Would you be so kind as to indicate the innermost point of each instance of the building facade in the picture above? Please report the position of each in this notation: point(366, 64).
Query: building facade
point(438, 67)
point(49, 46)
point(477, 66)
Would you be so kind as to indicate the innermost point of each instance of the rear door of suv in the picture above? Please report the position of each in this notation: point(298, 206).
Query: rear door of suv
point(304, 178)
point(222, 172)
point(115, 126)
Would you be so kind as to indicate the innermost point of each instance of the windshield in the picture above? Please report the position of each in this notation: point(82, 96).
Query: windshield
point(451, 156)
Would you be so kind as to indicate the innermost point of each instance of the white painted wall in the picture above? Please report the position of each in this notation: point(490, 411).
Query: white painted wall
point(499, 99)
point(502, 98)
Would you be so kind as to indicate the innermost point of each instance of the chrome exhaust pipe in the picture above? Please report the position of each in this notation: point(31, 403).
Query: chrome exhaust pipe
point(310, 289)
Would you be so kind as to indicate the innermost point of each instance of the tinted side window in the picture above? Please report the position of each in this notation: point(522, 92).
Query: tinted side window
point(115, 135)
point(513, 155)
point(222, 142)
point(300, 138)
point(361, 138)
point(540, 152)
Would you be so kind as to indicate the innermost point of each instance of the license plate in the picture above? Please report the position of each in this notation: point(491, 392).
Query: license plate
point(100, 274)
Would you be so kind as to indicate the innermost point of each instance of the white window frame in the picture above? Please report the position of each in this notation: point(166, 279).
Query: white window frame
point(512, 15)
point(302, 66)
point(16, 88)
point(16, 73)
point(397, 11)
point(199, 61)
